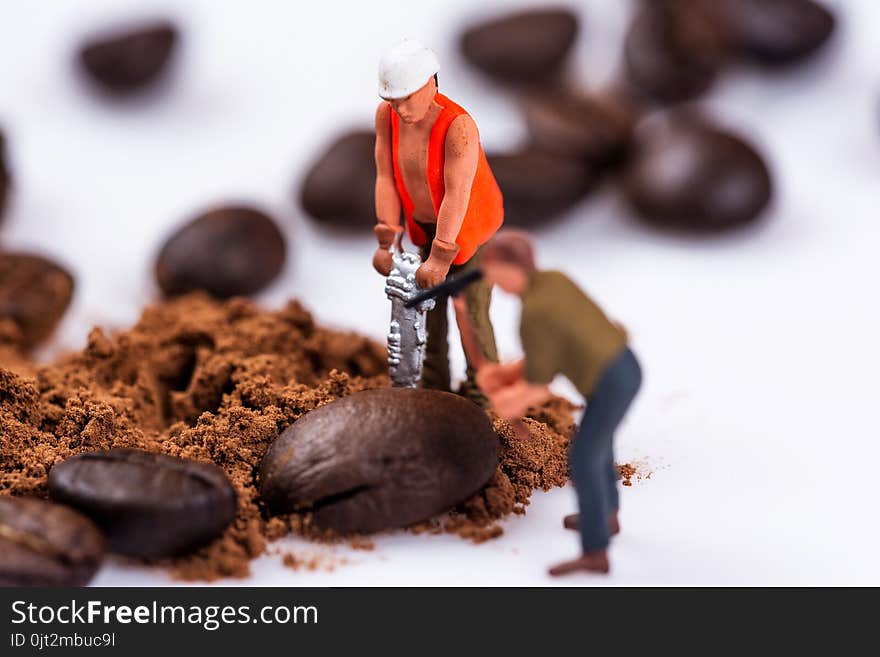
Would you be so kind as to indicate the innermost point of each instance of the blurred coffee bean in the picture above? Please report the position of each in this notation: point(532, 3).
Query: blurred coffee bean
point(128, 60)
point(525, 47)
point(597, 128)
point(538, 186)
point(380, 459)
point(5, 177)
point(34, 294)
point(149, 505)
point(44, 544)
point(688, 173)
point(339, 188)
point(226, 252)
point(776, 32)
point(674, 49)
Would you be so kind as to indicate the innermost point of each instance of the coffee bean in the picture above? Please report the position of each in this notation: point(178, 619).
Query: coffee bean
point(380, 459)
point(776, 32)
point(538, 186)
point(149, 505)
point(34, 294)
point(674, 49)
point(339, 189)
point(227, 252)
point(686, 172)
point(525, 47)
point(44, 544)
point(597, 128)
point(127, 61)
point(5, 177)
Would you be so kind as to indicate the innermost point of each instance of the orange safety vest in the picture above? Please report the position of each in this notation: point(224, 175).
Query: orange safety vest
point(485, 211)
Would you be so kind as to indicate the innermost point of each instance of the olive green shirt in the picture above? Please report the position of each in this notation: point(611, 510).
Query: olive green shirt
point(564, 332)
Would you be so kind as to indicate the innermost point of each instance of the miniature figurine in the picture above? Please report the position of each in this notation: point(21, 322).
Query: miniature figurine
point(564, 332)
point(430, 166)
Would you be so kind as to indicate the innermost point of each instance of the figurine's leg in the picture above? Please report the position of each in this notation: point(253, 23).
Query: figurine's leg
point(435, 370)
point(479, 298)
point(435, 367)
point(589, 472)
point(613, 492)
point(593, 450)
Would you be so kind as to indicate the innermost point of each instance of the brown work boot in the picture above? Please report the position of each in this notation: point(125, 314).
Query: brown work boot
point(593, 562)
point(573, 521)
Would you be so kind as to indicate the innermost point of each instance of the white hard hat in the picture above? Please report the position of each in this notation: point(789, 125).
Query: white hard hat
point(405, 68)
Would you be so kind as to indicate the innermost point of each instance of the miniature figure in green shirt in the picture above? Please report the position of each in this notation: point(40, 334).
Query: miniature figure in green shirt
point(564, 332)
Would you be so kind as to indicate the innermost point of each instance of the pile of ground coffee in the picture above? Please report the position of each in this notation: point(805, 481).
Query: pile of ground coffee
point(217, 382)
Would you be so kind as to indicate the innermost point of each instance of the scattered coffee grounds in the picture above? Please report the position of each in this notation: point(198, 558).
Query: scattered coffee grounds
point(686, 172)
point(362, 543)
point(127, 61)
point(674, 49)
point(415, 454)
point(339, 188)
point(627, 472)
point(218, 382)
point(539, 186)
point(597, 128)
point(312, 562)
point(526, 47)
point(226, 252)
point(44, 544)
point(778, 32)
point(5, 176)
point(34, 294)
point(147, 504)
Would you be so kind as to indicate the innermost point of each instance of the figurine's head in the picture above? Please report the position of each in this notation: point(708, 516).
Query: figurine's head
point(408, 79)
point(507, 260)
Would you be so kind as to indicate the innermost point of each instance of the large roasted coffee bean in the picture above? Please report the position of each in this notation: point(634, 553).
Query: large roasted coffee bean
point(526, 47)
point(44, 544)
point(538, 186)
point(779, 31)
point(127, 61)
point(686, 172)
point(34, 294)
point(597, 128)
point(149, 505)
point(674, 49)
point(5, 177)
point(380, 459)
point(339, 189)
point(227, 252)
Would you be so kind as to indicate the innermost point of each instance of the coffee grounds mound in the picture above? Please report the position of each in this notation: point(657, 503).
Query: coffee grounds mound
point(217, 382)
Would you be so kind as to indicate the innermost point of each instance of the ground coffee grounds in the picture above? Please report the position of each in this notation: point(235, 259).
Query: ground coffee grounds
point(218, 381)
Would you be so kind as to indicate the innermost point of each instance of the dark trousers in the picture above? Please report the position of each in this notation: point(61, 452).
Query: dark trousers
point(435, 372)
point(592, 452)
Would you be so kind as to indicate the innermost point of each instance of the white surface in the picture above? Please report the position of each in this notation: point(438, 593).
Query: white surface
point(759, 411)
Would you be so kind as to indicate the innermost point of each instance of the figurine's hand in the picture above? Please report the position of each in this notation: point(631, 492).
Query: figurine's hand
point(430, 274)
point(433, 271)
point(382, 261)
point(508, 402)
point(385, 235)
point(491, 377)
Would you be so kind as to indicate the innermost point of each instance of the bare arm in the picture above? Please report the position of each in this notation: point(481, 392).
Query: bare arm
point(387, 200)
point(462, 156)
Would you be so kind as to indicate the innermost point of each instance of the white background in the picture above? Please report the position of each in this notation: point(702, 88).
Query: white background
point(759, 412)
